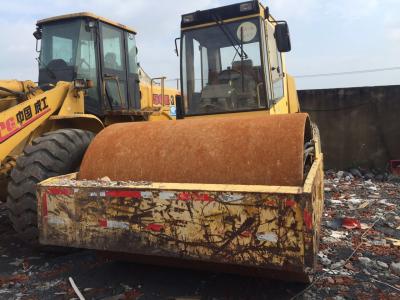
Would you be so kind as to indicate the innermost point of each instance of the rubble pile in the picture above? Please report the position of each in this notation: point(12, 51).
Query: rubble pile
point(359, 255)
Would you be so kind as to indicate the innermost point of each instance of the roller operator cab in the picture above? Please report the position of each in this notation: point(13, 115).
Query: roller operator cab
point(231, 60)
point(86, 46)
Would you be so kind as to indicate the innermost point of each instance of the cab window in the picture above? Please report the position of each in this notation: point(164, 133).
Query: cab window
point(275, 64)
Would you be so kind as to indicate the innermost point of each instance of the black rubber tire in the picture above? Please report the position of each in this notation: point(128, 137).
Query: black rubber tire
point(55, 153)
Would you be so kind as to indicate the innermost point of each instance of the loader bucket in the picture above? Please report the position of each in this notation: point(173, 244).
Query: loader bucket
point(266, 226)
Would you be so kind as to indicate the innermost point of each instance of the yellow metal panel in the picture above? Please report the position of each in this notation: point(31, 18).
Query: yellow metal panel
point(73, 103)
point(294, 105)
point(58, 181)
point(16, 86)
point(19, 121)
point(79, 121)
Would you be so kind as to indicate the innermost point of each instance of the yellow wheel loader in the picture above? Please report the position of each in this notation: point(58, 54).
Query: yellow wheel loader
point(235, 183)
point(89, 78)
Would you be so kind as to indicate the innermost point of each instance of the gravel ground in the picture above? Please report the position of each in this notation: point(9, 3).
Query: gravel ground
point(359, 258)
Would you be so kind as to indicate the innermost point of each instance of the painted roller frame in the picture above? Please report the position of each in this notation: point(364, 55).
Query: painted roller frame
point(270, 231)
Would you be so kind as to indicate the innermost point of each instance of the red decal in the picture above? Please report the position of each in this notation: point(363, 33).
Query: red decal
point(44, 205)
point(290, 202)
point(307, 219)
point(155, 227)
point(132, 194)
point(157, 99)
point(103, 223)
point(8, 125)
point(270, 202)
point(185, 196)
point(10, 134)
point(166, 100)
point(59, 191)
point(202, 197)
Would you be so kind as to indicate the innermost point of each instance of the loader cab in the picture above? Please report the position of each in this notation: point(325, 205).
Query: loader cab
point(86, 46)
point(231, 60)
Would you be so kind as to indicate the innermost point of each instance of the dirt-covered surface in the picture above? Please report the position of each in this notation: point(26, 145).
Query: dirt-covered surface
point(359, 258)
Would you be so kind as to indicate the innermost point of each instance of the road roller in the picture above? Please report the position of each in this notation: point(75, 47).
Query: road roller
point(234, 184)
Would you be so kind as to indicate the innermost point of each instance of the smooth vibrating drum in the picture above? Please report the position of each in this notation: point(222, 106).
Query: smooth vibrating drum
point(262, 150)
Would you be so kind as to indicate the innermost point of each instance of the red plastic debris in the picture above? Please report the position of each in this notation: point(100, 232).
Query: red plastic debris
point(350, 223)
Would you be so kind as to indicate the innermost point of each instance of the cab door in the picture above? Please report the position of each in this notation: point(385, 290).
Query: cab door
point(132, 71)
point(113, 61)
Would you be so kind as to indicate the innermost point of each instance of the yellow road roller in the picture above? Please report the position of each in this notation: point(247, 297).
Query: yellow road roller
point(234, 184)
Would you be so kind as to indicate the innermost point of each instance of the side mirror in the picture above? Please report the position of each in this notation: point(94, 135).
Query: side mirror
point(282, 37)
point(176, 46)
point(38, 34)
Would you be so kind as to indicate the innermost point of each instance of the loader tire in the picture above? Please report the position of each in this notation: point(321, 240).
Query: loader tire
point(54, 153)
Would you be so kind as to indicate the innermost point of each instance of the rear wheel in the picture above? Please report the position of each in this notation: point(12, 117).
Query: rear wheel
point(55, 153)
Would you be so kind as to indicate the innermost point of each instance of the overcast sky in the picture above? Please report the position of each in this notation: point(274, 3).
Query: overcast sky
point(328, 36)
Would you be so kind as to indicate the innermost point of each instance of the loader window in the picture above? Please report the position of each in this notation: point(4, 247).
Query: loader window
point(58, 54)
point(132, 53)
point(59, 42)
point(112, 48)
point(115, 75)
point(86, 64)
point(222, 68)
point(62, 49)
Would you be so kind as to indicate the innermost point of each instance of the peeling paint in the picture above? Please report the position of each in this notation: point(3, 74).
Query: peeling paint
point(267, 237)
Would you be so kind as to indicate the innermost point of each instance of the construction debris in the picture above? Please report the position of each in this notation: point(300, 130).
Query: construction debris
point(359, 258)
point(359, 251)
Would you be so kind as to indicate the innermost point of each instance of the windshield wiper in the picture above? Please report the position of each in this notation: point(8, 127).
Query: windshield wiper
point(239, 49)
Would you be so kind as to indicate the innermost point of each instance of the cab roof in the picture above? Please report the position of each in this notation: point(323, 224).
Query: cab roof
point(223, 13)
point(85, 15)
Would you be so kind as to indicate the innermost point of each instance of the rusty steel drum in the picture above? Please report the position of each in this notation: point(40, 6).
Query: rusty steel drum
point(262, 150)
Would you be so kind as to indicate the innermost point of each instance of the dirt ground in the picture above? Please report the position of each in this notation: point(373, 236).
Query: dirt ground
point(359, 258)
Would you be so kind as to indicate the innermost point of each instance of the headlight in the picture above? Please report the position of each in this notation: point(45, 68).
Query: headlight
point(83, 84)
point(188, 18)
